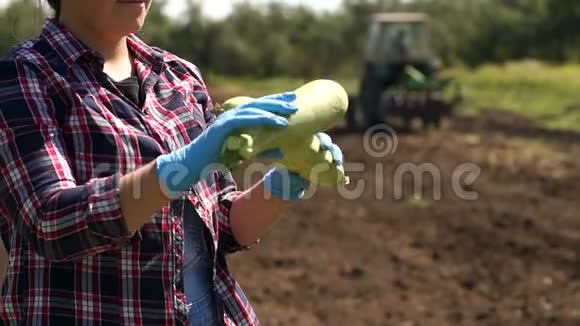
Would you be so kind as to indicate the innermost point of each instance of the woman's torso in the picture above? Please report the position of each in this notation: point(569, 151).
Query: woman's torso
point(105, 134)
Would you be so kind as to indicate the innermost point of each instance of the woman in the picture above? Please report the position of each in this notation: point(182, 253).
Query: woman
point(110, 216)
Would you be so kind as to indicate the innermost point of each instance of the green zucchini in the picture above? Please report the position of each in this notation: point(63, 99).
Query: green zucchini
point(322, 105)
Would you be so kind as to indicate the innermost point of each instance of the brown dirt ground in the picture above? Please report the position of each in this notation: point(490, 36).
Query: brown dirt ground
point(511, 257)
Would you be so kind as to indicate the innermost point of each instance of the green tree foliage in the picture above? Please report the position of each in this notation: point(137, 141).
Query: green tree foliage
point(278, 39)
point(19, 21)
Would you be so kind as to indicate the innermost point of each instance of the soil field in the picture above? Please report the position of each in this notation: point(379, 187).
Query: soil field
point(387, 257)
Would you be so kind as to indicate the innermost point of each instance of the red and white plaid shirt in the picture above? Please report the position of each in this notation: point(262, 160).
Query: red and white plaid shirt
point(67, 135)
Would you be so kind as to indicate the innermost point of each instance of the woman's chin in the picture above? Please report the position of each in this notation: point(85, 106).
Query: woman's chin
point(130, 27)
point(131, 20)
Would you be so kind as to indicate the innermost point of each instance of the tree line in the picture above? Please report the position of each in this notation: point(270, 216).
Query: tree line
point(278, 39)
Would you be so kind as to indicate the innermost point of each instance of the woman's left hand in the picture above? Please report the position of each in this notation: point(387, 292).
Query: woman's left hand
point(289, 186)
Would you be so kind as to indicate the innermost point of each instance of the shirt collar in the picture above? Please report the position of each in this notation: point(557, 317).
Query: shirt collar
point(70, 49)
point(150, 56)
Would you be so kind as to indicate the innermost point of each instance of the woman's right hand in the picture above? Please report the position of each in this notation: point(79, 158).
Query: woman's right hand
point(179, 170)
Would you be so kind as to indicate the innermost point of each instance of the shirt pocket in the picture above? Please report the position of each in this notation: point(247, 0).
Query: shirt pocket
point(194, 123)
point(178, 113)
point(93, 143)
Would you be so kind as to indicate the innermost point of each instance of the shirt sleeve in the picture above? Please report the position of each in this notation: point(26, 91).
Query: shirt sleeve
point(60, 219)
point(227, 194)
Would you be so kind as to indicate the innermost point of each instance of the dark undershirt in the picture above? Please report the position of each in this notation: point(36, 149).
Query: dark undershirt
point(130, 87)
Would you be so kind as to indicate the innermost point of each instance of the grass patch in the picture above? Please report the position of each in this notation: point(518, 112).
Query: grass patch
point(226, 87)
point(548, 95)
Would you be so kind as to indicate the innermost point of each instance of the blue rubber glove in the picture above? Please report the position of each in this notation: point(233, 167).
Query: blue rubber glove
point(287, 185)
point(181, 169)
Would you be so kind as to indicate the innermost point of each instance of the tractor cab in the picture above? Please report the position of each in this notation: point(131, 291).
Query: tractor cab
point(398, 38)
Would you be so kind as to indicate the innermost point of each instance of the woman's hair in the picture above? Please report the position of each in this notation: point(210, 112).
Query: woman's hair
point(55, 5)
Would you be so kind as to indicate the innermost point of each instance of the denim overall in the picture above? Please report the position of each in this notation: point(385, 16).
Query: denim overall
point(203, 305)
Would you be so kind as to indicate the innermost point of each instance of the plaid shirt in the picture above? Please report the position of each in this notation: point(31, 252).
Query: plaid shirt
point(67, 135)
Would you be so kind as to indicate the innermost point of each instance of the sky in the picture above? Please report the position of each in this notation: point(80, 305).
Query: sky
point(220, 8)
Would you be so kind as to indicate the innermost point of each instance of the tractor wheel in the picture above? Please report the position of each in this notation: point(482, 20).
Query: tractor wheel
point(350, 113)
point(354, 115)
point(434, 121)
point(433, 113)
